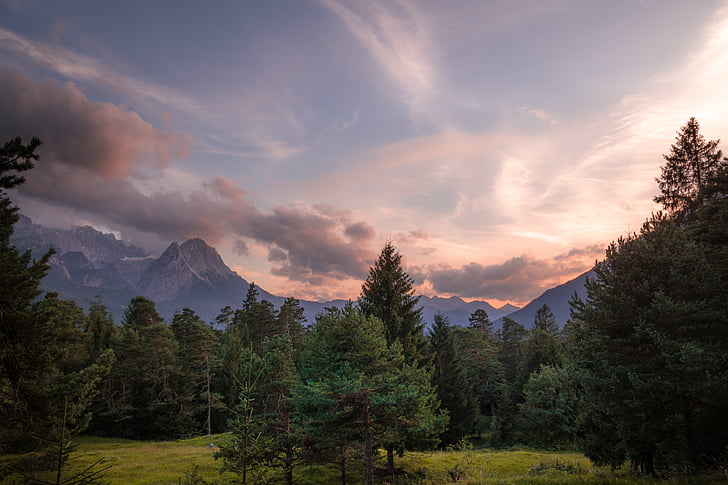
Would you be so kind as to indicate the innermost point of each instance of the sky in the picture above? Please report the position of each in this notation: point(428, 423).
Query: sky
point(499, 145)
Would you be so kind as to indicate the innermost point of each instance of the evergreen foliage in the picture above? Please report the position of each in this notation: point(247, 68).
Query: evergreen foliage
point(357, 392)
point(478, 350)
point(388, 294)
point(197, 348)
point(290, 321)
point(453, 391)
point(652, 352)
point(547, 416)
point(143, 396)
point(248, 451)
point(545, 320)
point(42, 345)
point(100, 330)
point(692, 161)
point(511, 355)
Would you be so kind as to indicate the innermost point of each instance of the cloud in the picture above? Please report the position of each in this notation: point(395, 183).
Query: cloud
point(276, 255)
point(263, 133)
point(240, 247)
point(360, 231)
point(79, 67)
point(397, 35)
point(540, 114)
point(101, 138)
point(97, 161)
point(518, 279)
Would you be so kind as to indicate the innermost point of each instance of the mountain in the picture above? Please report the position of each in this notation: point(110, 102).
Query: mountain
point(89, 263)
point(458, 311)
point(556, 298)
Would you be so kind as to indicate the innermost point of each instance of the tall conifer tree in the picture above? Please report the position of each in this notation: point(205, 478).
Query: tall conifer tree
point(388, 294)
point(691, 163)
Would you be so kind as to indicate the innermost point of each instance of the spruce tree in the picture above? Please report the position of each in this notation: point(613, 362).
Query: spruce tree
point(42, 349)
point(290, 321)
point(478, 352)
point(197, 345)
point(692, 161)
point(358, 393)
point(145, 397)
point(449, 378)
point(388, 294)
point(100, 329)
point(545, 320)
point(652, 353)
point(547, 416)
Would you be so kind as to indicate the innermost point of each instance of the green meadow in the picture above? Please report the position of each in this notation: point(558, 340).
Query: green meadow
point(188, 462)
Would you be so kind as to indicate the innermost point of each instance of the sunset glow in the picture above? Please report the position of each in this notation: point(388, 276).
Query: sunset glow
point(501, 146)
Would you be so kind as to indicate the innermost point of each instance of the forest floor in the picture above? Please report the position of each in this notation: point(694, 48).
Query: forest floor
point(191, 462)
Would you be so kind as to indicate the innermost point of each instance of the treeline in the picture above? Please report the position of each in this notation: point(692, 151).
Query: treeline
point(639, 375)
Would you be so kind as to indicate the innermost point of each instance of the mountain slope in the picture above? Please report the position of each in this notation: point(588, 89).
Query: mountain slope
point(556, 298)
point(458, 311)
point(89, 263)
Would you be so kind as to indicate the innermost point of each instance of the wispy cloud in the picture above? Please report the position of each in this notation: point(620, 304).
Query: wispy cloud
point(540, 114)
point(265, 113)
point(397, 36)
point(79, 67)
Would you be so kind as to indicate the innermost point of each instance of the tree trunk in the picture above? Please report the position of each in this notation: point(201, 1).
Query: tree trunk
point(690, 436)
point(343, 466)
point(209, 397)
point(368, 473)
point(390, 461)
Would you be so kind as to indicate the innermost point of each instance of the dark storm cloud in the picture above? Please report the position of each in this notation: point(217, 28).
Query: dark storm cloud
point(518, 279)
point(94, 152)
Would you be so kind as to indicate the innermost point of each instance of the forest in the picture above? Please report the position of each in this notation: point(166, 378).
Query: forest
point(637, 377)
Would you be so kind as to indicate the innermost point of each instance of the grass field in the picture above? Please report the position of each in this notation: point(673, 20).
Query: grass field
point(190, 461)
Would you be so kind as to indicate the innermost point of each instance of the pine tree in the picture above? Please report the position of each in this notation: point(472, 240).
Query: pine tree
point(547, 417)
point(280, 378)
point(388, 294)
point(511, 354)
point(100, 329)
point(692, 161)
point(256, 320)
point(652, 353)
point(145, 399)
point(453, 391)
point(545, 320)
point(290, 321)
point(358, 392)
point(511, 349)
point(248, 451)
point(42, 348)
point(478, 352)
point(197, 345)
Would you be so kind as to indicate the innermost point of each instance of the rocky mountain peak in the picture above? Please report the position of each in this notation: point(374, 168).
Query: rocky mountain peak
point(204, 260)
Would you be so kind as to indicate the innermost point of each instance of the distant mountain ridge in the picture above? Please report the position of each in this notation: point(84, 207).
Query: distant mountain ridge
point(192, 274)
point(556, 298)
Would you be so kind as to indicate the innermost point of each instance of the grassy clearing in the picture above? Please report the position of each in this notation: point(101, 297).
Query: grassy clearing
point(171, 462)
